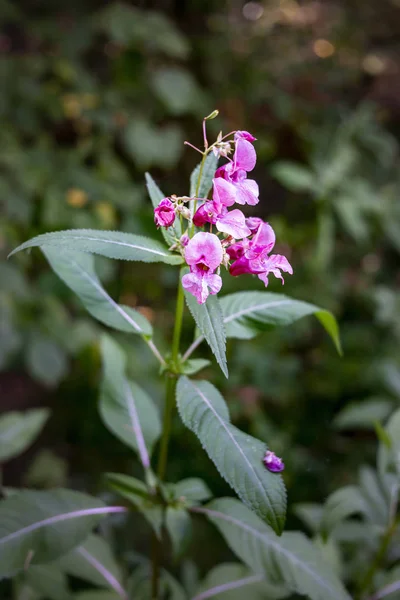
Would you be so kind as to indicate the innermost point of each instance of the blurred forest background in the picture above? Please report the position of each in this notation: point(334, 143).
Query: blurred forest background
point(94, 94)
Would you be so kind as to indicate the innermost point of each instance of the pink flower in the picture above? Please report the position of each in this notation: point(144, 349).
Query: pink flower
point(231, 222)
point(164, 213)
point(253, 256)
point(203, 254)
point(230, 182)
point(273, 462)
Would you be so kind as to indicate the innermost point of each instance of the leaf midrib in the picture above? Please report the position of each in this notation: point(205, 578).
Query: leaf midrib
point(225, 426)
point(255, 308)
point(117, 243)
point(267, 542)
point(103, 293)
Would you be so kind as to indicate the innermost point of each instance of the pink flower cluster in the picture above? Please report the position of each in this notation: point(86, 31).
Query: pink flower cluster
point(242, 244)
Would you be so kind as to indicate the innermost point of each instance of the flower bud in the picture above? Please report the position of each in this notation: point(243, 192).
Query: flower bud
point(164, 213)
point(273, 462)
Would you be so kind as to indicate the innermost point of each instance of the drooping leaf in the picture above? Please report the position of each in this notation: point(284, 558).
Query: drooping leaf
point(234, 581)
point(179, 526)
point(125, 408)
point(389, 458)
point(209, 319)
point(112, 244)
point(93, 561)
point(18, 431)
point(362, 415)
point(38, 527)
point(376, 495)
point(248, 313)
point(76, 269)
point(290, 560)
point(48, 582)
point(209, 168)
point(237, 456)
point(293, 176)
point(136, 492)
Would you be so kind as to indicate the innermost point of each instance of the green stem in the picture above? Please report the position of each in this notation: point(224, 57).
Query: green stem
point(380, 555)
point(203, 160)
point(170, 385)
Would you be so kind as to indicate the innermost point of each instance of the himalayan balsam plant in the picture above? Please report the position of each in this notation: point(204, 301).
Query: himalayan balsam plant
point(206, 237)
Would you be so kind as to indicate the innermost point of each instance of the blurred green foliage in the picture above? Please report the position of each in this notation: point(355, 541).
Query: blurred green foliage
point(94, 94)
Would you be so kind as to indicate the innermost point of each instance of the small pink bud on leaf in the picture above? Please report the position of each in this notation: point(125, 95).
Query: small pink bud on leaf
point(272, 462)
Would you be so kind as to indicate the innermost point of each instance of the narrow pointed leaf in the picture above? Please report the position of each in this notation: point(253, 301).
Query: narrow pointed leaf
point(209, 168)
point(248, 313)
point(18, 431)
point(209, 319)
point(76, 269)
point(112, 244)
point(125, 408)
point(38, 527)
point(191, 491)
point(290, 560)
point(93, 561)
point(234, 581)
point(237, 456)
point(340, 505)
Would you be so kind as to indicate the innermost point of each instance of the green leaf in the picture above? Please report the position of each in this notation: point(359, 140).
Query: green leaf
point(248, 313)
point(156, 196)
point(310, 513)
point(191, 491)
point(237, 456)
point(45, 359)
point(97, 595)
point(340, 505)
point(94, 562)
point(209, 168)
point(363, 415)
point(136, 492)
point(177, 89)
point(234, 581)
point(77, 271)
point(290, 560)
point(209, 319)
point(139, 586)
point(389, 458)
point(179, 526)
point(38, 527)
point(294, 177)
point(48, 581)
point(126, 409)
point(194, 365)
point(18, 431)
point(112, 244)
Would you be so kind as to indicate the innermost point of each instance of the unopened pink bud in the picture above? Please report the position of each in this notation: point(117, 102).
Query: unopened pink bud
point(184, 239)
point(273, 462)
point(164, 213)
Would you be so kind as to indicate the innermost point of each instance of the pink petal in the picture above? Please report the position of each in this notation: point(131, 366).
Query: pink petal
point(224, 191)
point(265, 236)
point(245, 156)
point(245, 135)
point(234, 224)
point(214, 282)
point(247, 192)
point(196, 285)
point(205, 249)
point(240, 267)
